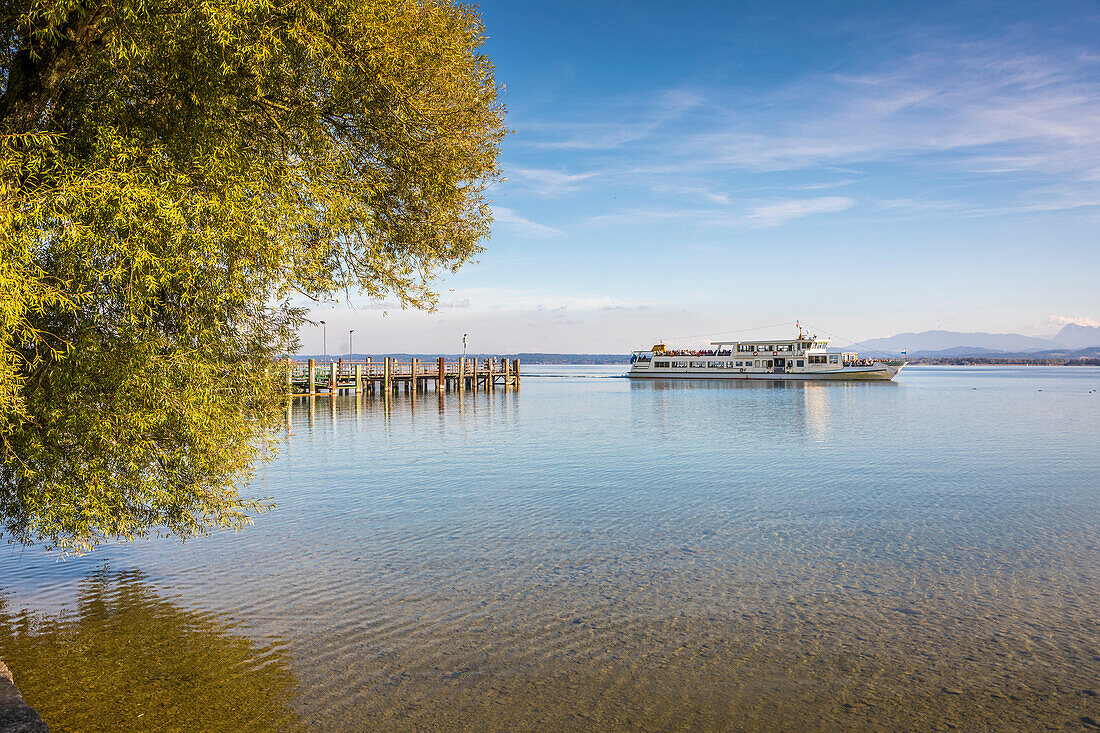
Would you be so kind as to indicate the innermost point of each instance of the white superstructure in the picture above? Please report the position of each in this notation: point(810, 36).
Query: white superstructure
point(805, 357)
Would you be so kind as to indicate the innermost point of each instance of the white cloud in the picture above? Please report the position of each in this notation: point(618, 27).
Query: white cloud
point(990, 111)
point(758, 215)
point(547, 182)
point(993, 108)
point(780, 212)
point(635, 120)
point(523, 226)
point(481, 299)
point(1059, 321)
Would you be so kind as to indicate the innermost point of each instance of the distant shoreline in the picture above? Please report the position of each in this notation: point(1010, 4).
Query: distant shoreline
point(991, 361)
point(547, 359)
point(524, 357)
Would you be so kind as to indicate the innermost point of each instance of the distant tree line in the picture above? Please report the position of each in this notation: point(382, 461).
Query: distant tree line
point(979, 361)
point(525, 357)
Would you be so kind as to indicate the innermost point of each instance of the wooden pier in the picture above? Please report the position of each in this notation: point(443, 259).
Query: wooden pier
point(390, 375)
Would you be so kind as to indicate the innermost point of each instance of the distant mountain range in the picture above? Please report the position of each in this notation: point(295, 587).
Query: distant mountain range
point(1071, 338)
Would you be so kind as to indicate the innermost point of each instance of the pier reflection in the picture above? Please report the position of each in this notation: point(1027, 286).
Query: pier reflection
point(129, 659)
point(339, 412)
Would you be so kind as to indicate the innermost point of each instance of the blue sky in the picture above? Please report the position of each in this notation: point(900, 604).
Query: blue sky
point(683, 171)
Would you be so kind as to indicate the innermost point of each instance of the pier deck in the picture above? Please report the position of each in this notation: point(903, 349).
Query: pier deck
point(389, 375)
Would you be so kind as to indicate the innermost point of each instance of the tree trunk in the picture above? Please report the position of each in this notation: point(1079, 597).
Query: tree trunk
point(39, 68)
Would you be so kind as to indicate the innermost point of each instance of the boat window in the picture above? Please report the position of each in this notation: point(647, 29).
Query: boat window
point(834, 359)
point(800, 363)
point(660, 364)
point(679, 365)
point(698, 364)
point(817, 358)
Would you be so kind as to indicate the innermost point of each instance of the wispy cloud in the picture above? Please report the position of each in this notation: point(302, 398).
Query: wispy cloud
point(822, 186)
point(780, 212)
point(993, 109)
point(547, 182)
point(762, 214)
point(544, 301)
point(993, 112)
point(522, 226)
point(634, 120)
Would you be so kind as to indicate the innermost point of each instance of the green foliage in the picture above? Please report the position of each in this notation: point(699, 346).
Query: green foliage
point(171, 175)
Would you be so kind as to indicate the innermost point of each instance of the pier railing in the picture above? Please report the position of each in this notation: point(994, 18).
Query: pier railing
point(389, 374)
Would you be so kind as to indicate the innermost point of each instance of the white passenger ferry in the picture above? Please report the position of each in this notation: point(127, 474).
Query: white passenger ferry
point(802, 358)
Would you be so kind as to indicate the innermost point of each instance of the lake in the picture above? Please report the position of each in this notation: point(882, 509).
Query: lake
point(590, 553)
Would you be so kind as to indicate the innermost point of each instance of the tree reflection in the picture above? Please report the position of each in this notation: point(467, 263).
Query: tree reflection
point(130, 660)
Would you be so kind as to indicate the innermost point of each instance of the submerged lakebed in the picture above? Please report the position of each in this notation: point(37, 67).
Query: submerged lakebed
point(591, 553)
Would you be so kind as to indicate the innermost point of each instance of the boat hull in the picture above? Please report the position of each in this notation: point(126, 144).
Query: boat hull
point(878, 372)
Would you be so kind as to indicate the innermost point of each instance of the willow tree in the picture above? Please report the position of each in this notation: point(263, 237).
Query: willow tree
point(173, 175)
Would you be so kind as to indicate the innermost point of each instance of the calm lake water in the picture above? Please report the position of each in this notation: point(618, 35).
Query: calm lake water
point(588, 553)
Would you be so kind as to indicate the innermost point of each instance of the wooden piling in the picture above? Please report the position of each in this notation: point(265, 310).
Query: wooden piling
point(466, 373)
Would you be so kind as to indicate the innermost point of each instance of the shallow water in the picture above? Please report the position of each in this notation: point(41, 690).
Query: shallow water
point(588, 553)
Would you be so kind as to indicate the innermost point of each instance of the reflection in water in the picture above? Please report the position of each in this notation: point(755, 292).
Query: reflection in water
point(816, 409)
point(764, 407)
point(802, 405)
point(128, 659)
point(360, 409)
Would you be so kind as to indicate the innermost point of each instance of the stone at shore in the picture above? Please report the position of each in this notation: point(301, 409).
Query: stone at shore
point(16, 716)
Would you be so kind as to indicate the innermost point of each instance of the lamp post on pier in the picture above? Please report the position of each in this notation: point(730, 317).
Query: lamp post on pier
point(351, 351)
point(464, 344)
point(324, 339)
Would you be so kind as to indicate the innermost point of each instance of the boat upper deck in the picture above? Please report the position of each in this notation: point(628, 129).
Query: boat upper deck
point(768, 347)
